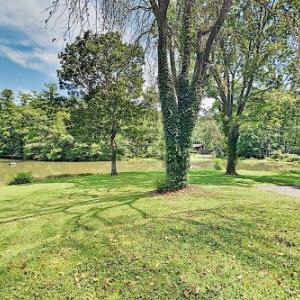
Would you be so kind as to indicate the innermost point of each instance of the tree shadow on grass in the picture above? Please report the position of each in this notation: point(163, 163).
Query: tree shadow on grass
point(288, 179)
point(243, 241)
point(228, 234)
point(224, 233)
point(80, 220)
point(128, 188)
point(117, 201)
point(203, 177)
point(98, 190)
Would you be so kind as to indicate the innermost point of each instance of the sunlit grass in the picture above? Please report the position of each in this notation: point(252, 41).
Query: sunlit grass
point(98, 237)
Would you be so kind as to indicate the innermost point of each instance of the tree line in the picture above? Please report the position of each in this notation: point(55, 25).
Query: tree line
point(270, 127)
point(47, 126)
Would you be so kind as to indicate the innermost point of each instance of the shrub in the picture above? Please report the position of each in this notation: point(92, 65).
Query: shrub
point(291, 157)
point(288, 157)
point(277, 154)
point(218, 164)
point(22, 178)
point(164, 186)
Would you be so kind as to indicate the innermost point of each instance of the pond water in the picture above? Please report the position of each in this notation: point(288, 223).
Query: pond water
point(42, 169)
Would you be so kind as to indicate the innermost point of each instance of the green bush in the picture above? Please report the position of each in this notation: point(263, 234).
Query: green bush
point(277, 154)
point(164, 186)
point(288, 157)
point(291, 157)
point(22, 178)
point(218, 165)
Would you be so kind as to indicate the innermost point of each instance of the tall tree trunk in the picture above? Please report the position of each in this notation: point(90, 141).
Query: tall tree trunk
point(113, 154)
point(180, 100)
point(232, 140)
point(176, 179)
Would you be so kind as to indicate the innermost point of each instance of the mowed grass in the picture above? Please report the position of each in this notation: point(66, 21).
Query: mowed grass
point(98, 237)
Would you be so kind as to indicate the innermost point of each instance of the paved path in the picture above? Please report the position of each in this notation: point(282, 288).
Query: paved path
point(293, 191)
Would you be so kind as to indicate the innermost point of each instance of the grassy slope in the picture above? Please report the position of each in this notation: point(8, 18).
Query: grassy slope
point(98, 237)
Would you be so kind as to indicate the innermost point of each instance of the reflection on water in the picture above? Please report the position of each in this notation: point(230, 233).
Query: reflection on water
point(43, 169)
point(268, 165)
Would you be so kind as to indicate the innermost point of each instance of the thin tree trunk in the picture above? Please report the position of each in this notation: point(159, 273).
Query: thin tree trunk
point(113, 154)
point(232, 140)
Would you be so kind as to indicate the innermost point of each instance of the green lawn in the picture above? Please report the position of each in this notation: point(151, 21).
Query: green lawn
point(97, 237)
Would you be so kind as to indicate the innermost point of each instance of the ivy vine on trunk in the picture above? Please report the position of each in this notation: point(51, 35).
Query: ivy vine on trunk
point(180, 96)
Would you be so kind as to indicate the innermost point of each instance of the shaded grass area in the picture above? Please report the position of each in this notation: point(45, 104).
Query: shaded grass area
point(245, 178)
point(204, 177)
point(98, 237)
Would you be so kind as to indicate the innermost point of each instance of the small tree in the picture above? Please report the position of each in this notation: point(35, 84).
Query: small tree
point(9, 124)
point(108, 73)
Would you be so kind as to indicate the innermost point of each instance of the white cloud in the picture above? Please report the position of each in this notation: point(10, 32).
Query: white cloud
point(34, 49)
point(36, 59)
point(27, 17)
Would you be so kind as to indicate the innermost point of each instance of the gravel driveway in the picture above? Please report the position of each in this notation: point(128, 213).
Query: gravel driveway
point(293, 191)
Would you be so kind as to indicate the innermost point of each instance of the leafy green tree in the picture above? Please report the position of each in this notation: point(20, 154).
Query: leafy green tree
point(252, 55)
point(50, 100)
point(42, 126)
point(47, 126)
point(271, 122)
point(9, 124)
point(46, 136)
point(292, 15)
point(108, 74)
point(208, 133)
point(144, 137)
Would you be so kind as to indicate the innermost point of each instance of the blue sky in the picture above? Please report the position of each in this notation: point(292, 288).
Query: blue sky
point(28, 57)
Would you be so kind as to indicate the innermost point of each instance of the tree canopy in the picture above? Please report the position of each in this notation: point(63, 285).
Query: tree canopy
point(108, 73)
point(253, 54)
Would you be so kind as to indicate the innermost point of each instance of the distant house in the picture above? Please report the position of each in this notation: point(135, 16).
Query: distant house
point(199, 148)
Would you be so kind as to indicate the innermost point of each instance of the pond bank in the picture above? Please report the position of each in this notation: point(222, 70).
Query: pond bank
point(41, 169)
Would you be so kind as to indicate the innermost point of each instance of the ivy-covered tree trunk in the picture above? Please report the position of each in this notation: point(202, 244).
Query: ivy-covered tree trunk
point(232, 140)
point(180, 97)
point(177, 127)
point(113, 154)
point(169, 110)
point(188, 106)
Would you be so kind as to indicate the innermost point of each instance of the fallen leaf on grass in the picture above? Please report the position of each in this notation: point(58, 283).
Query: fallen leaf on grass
point(77, 280)
point(194, 290)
